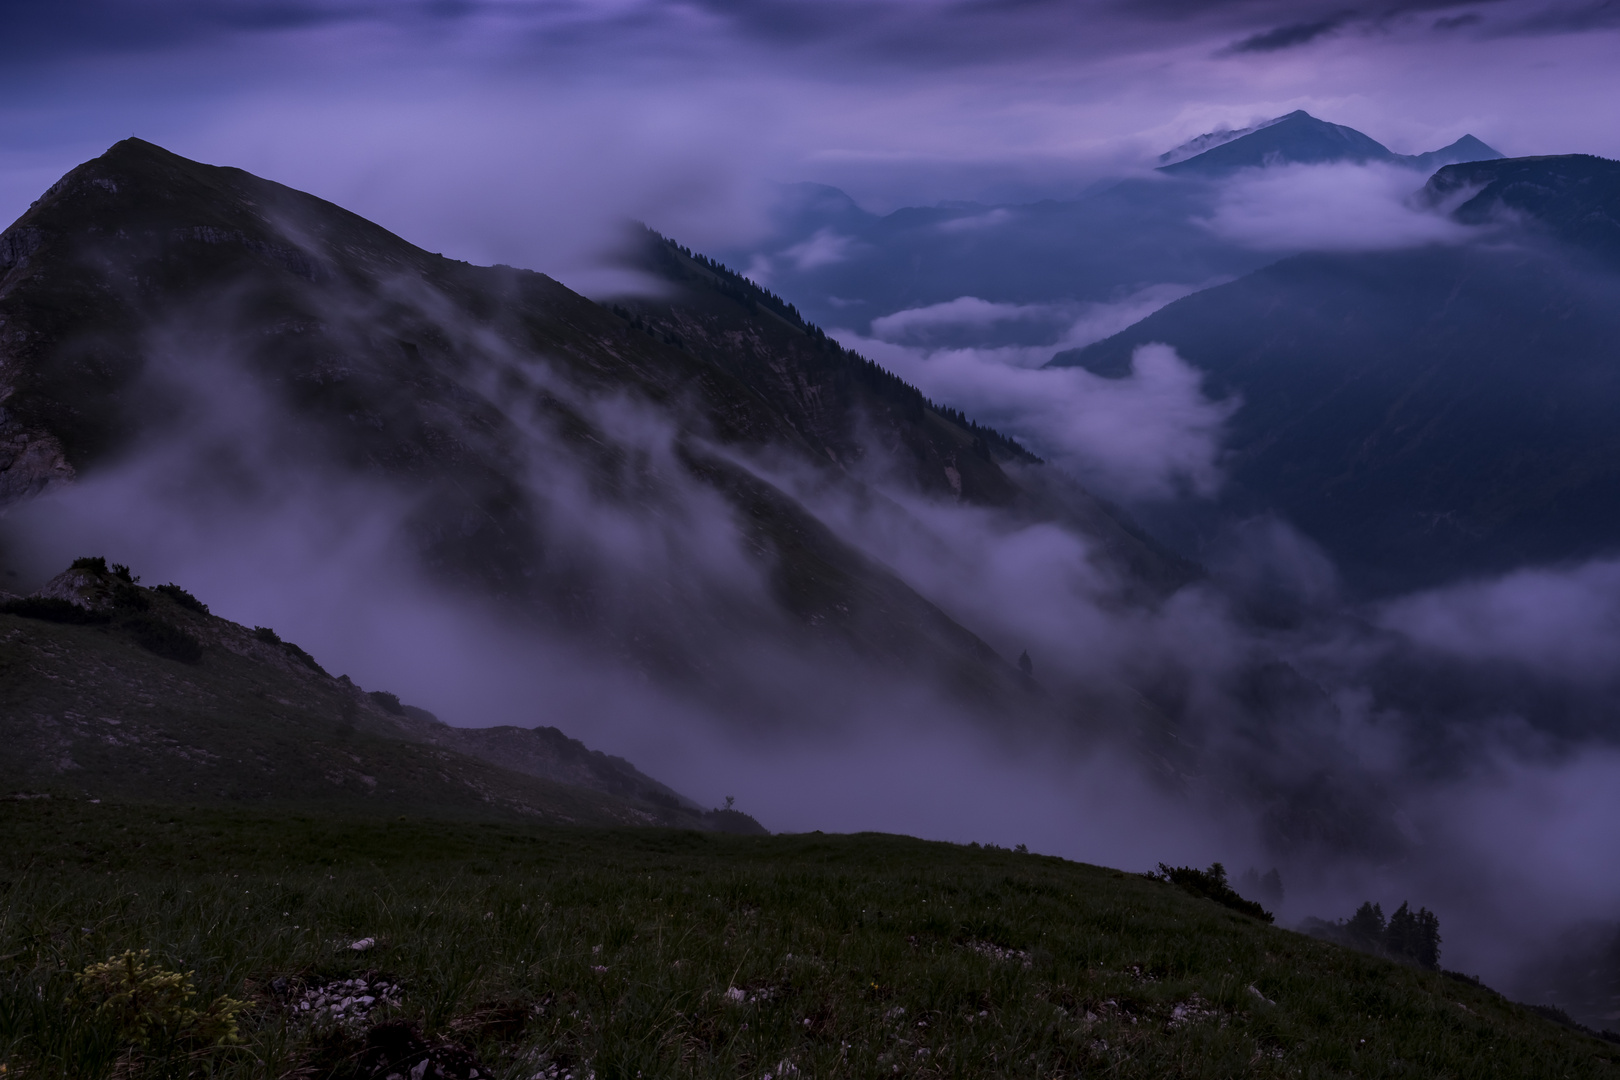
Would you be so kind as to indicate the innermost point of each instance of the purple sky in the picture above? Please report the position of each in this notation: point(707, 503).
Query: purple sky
point(517, 130)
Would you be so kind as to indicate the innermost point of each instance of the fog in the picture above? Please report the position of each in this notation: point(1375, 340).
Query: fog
point(1184, 729)
point(528, 134)
point(1340, 207)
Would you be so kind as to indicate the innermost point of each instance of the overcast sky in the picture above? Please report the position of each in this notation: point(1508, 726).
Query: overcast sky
point(517, 130)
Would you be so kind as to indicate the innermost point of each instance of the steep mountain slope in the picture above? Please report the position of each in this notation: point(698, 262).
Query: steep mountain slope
point(154, 306)
point(1301, 139)
point(112, 690)
point(1431, 413)
point(764, 343)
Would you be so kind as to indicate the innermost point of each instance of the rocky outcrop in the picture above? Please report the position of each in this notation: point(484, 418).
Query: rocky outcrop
point(31, 462)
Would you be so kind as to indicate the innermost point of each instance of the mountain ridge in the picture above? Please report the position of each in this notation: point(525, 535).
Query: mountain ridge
point(1434, 413)
point(1298, 138)
point(123, 691)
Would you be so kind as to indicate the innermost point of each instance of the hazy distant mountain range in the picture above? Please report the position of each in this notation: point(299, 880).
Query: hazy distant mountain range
point(845, 267)
point(1435, 412)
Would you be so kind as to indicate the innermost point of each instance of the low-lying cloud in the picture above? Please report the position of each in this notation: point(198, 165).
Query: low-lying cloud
point(1151, 435)
point(1337, 207)
point(1561, 623)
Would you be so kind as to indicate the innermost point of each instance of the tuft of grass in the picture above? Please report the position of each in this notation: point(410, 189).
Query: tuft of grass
point(610, 953)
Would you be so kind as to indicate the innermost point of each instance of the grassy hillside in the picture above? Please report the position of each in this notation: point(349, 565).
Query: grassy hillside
point(144, 695)
point(528, 951)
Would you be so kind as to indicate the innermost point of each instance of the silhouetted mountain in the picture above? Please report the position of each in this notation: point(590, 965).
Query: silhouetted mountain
point(142, 282)
point(1301, 139)
point(1573, 197)
point(1432, 413)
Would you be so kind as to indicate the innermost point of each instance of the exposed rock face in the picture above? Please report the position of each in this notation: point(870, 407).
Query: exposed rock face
point(31, 462)
point(84, 588)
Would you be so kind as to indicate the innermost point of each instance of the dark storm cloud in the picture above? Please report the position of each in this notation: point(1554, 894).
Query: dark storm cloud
point(1286, 37)
point(889, 32)
point(1570, 18)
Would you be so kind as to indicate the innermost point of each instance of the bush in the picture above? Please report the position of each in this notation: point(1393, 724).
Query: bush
point(183, 598)
point(130, 598)
point(152, 1005)
point(96, 564)
point(303, 657)
point(1211, 884)
point(267, 635)
point(164, 639)
point(387, 702)
point(50, 609)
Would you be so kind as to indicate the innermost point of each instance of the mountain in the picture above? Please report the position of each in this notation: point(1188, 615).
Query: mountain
point(1574, 198)
point(1433, 413)
point(146, 297)
point(113, 690)
point(1301, 139)
point(846, 267)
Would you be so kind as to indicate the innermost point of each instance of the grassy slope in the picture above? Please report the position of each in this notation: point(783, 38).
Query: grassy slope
point(833, 935)
point(86, 710)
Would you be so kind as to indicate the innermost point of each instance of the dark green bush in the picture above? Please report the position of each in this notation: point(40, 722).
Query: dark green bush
point(183, 598)
point(267, 635)
point(50, 609)
point(302, 657)
point(387, 702)
point(164, 639)
point(131, 598)
point(94, 563)
point(1211, 884)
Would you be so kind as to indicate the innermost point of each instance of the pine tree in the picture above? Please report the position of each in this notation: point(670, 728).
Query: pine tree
point(1367, 927)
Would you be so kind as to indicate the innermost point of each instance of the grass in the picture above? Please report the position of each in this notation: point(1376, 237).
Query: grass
point(549, 951)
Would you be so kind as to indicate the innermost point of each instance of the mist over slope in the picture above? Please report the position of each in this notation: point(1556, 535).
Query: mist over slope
point(689, 528)
point(1434, 413)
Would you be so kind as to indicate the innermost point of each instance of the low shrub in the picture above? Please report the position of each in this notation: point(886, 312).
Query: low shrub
point(183, 598)
point(50, 609)
point(1211, 884)
point(303, 657)
point(152, 1005)
point(387, 702)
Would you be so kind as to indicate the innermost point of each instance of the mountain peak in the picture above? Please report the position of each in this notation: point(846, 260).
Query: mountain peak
point(1298, 138)
point(1295, 138)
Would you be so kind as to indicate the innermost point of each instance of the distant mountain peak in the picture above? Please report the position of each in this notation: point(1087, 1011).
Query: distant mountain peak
point(1298, 138)
point(1211, 139)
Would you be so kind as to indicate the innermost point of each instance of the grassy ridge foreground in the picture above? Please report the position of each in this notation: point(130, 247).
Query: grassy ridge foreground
point(555, 952)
